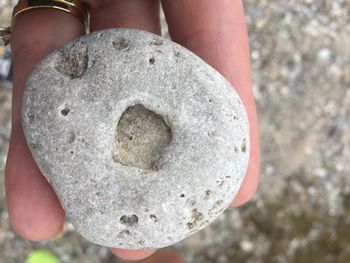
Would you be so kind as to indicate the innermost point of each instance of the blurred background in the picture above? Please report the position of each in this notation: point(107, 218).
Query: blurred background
point(300, 55)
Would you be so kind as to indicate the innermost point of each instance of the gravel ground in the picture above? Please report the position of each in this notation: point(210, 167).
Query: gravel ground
point(300, 53)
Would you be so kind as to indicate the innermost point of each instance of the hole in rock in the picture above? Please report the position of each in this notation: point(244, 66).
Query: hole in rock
point(129, 220)
point(120, 43)
point(65, 111)
point(72, 61)
point(153, 218)
point(141, 137)
point(151, 61)
point(244, 146)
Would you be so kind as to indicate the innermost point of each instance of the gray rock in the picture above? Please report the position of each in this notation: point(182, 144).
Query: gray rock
point(143, 142)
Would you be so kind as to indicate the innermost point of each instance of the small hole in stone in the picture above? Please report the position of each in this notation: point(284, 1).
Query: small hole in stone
point(65, 111)
point(120, 43)
point(151, 61)
point(31, 117)
point(189, 225)
point(71, 152)
point(244, 146)
point(153, 218)
point(129, 220)
point(210, 100)
point(182, 195)
point(157, 41)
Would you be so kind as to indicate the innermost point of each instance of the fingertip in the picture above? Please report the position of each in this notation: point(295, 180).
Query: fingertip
point(243, 196)
point(133, 255)
point(249, 186)
point(164, 256)
point(35, 228)
point(34, 210)
point(36, 223)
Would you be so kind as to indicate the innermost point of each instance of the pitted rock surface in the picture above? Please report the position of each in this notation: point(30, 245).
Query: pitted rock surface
point(143, 142)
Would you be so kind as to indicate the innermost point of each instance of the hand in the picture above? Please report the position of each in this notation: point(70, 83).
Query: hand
point(215, 30)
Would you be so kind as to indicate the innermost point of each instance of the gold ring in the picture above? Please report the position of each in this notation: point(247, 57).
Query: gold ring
point(74, 7)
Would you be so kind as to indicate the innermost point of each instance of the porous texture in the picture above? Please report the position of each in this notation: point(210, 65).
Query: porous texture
point(141, 136)
point(143, 142)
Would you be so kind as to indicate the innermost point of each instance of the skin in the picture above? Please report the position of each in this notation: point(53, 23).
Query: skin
point(214, 30)
point(163, 255)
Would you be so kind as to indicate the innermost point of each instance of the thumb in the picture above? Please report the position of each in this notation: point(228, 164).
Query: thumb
point(34, 209)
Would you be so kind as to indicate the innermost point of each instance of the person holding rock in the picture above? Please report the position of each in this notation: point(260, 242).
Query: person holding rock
point(214, 30)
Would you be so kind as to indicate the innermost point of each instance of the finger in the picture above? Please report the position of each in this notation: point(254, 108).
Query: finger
point(138, 14)
point(163, 255)
point(34, 209)
point(128, 254)
point(216, 31)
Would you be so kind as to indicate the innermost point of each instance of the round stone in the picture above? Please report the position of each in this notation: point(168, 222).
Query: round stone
point(143, 142)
